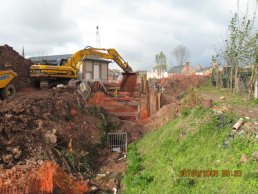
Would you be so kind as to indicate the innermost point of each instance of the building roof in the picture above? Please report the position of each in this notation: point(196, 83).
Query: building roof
point(65, 56)
point(203, 69)
point(176, 69)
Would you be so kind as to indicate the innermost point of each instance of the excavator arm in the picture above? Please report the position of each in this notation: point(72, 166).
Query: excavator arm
point(78, 57)
point(49, 75)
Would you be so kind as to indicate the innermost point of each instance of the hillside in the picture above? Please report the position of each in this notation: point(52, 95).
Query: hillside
point(194, 153)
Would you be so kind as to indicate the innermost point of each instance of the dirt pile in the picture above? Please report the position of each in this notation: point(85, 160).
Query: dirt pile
point(174, 89)
point(10, 59)
point(40, 125)
point(177, 85)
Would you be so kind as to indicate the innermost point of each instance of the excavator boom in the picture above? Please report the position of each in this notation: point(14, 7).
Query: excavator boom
point(70, 69)
point(98, 53)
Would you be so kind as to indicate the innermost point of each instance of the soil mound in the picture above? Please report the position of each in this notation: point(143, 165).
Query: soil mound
point(10, 59)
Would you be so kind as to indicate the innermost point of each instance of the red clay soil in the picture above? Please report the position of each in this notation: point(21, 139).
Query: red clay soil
point(129, 83)
point(111, 104)
point(28, 123)
point(175, 88)
point(44, 178)
point(10, 59)
point(34, 118)
point(177, 85)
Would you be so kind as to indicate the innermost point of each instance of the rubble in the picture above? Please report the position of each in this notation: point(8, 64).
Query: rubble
point(28, 123)
point(176, 86)
point(51, 130)
point(244, 159)
point(238, 124)
point(255, 155)
point(10, 59)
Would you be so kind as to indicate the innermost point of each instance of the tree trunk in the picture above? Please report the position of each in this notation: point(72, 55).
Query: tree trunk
point(252, 80)
point(236, 89)
point(231, 79)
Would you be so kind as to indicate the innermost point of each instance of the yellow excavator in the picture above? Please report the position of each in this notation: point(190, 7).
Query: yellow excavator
point(7, 89)
point(49, 75)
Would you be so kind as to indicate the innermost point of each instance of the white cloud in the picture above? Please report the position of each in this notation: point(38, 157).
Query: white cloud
point(136, 29)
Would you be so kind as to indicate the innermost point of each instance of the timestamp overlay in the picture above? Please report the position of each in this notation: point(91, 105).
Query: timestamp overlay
point(210, 173)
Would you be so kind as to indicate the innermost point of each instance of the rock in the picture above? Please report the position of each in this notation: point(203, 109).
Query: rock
point(255, 155)
point(51, 137)
point(8, 116)
point(73, 112)
point(60, 86)
point(207, 103)
point(222, 98)
point(16, 152)
point(101, 175)
point(114, 190)
point(94, 188)
point(243, 159)
point(40, 123)
point(7, 158)
point(117, 149)
point(54, 131)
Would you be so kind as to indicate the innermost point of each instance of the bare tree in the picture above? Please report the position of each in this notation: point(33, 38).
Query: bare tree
point(181, 54)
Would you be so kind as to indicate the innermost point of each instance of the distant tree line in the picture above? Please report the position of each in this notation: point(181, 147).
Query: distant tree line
point(180, 53)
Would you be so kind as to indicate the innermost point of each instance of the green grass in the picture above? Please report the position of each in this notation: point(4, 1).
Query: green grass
point(230, 99)
point(194, 141)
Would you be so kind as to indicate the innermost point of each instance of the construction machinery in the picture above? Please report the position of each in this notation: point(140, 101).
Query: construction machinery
point(7, 89)
point(49, 74)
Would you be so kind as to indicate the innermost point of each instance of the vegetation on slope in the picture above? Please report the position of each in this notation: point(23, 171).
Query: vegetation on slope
point(197, 140)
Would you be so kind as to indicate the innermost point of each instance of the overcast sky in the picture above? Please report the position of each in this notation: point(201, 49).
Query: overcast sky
point(137, 29)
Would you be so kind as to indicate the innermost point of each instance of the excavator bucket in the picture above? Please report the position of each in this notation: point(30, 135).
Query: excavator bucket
point(129, 83)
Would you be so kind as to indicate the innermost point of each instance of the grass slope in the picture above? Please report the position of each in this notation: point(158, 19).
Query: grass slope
point(197, 140)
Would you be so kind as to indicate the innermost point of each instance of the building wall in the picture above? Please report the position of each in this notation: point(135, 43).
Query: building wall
point(94, 70)
point(156, 74)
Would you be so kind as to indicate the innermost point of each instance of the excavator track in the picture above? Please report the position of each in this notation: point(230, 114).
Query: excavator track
point(44, 84)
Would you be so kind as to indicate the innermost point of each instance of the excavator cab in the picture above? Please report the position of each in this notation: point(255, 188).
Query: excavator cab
point(61, 62)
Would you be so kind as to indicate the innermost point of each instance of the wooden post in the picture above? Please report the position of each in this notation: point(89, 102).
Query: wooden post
point(256, 89)
point(158, 100)
point(148, 97)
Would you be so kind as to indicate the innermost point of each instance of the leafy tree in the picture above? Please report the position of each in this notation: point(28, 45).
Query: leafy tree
point(181, 54)
point(239, 45)
point(160, 62)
